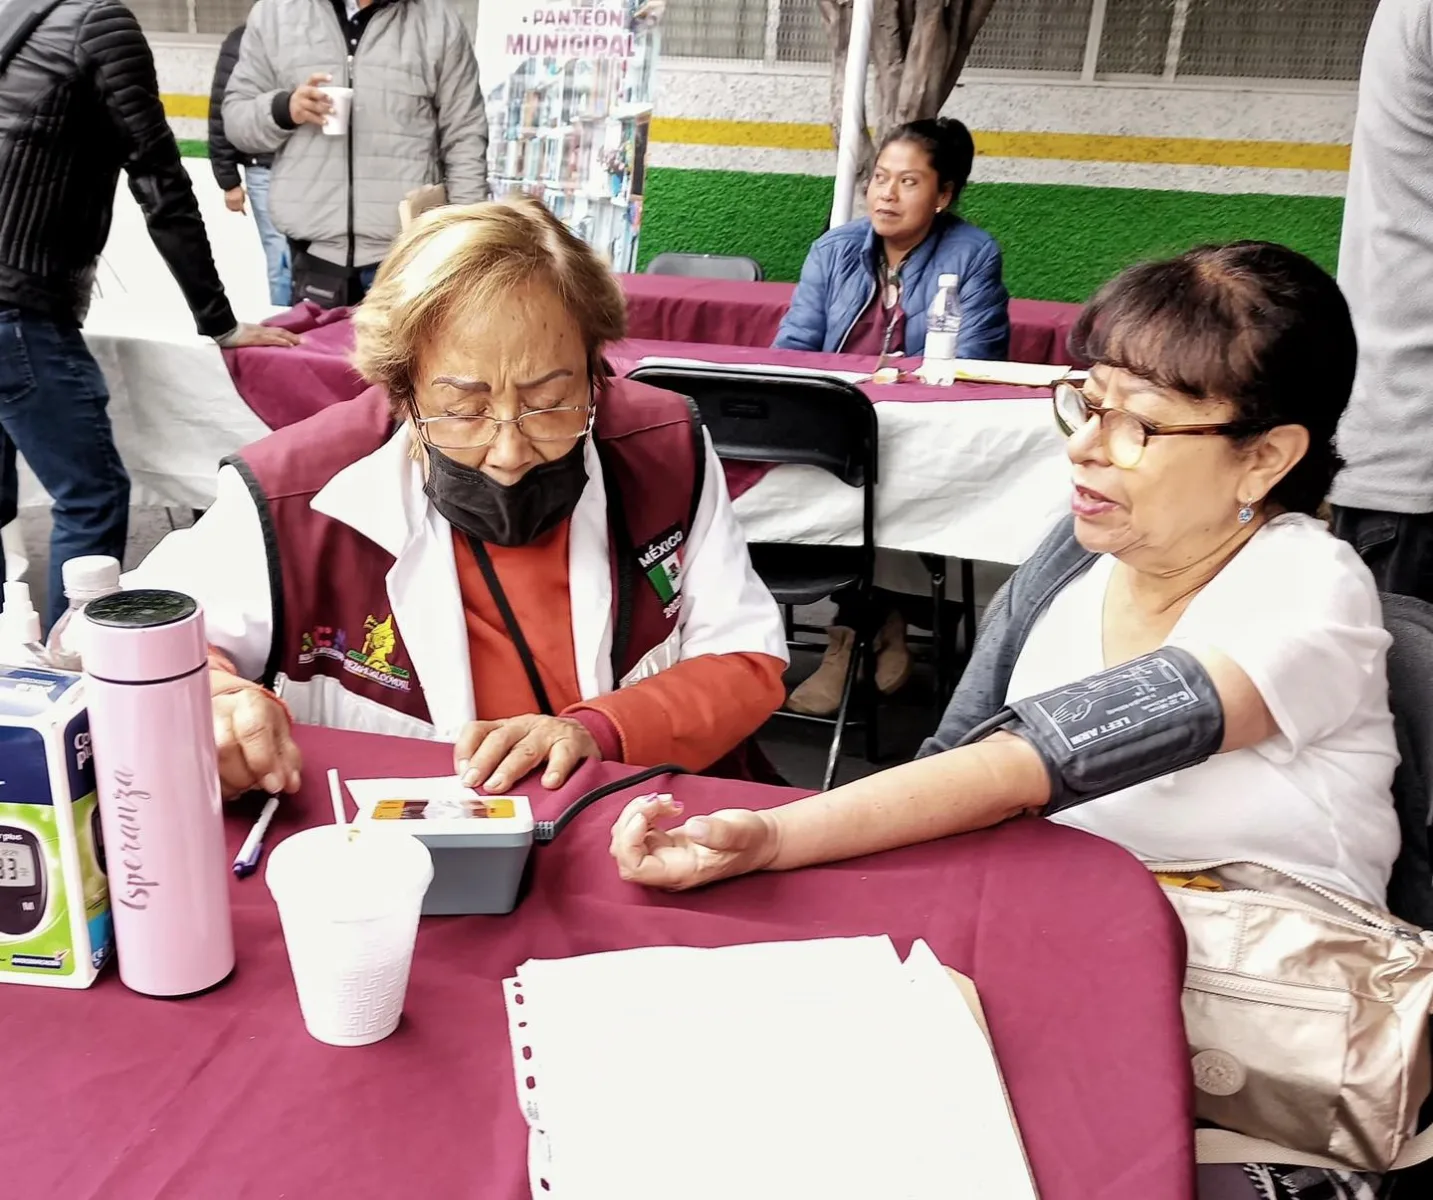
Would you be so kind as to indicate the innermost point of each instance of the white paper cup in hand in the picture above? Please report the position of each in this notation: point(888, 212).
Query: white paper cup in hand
point(349, 911)
point(335, 124)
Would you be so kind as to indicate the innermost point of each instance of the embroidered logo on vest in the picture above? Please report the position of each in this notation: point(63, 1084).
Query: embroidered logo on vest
point(323, 642)
point(661, 560)
point(371, 662)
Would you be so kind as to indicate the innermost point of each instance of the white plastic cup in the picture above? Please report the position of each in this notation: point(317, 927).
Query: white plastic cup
point(335, 124)
point(349, 911)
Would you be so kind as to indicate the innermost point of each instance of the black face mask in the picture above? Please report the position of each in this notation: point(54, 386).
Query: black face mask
point(515, 514)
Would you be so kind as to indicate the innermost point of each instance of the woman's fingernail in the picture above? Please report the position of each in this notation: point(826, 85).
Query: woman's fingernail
point(495, 784)
point(550, 780)
point(272, 783)
point(676, 805)
point(462, 766)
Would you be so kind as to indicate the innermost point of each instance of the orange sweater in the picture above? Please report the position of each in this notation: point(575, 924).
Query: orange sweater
point(692, 714)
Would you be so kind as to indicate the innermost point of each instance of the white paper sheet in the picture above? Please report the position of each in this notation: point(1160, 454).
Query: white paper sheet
point(822, 1068)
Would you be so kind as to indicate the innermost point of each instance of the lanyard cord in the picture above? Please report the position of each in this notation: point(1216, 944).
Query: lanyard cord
point(524, 651)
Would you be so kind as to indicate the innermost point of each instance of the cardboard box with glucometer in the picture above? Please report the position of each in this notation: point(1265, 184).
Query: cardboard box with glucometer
point(55, 925)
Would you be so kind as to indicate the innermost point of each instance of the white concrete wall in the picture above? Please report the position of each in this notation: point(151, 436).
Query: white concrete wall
point(798, 94)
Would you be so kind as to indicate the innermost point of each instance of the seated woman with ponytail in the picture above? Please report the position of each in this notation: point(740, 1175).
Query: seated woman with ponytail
point(866, 285)
point(865, 289)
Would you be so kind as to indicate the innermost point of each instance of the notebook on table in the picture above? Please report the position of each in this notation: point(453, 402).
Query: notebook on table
point(823, 1068)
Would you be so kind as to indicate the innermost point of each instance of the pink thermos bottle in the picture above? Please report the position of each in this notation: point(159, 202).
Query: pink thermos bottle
point(152, 728)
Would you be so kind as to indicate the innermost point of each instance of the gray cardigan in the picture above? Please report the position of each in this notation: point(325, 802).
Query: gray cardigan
point(417, 118)
point(1008, 621)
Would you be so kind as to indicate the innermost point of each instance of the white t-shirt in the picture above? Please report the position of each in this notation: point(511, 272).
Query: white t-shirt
point(1298, 611)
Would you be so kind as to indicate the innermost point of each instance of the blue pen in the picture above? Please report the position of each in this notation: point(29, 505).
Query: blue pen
point(247, 861)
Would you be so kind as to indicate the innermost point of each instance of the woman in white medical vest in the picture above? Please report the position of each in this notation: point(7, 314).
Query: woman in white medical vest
point(496, 543)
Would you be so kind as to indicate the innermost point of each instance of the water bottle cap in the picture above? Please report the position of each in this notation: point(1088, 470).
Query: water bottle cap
point(143, 636)
point(948, 281)
point(90, 576)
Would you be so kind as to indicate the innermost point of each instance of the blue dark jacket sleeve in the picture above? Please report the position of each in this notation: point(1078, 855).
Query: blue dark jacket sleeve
point(985, 308)
point(804, 326)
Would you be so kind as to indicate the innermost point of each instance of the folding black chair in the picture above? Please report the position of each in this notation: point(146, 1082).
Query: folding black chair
point(1410, 696)
point(768, 416)
point(736, 267)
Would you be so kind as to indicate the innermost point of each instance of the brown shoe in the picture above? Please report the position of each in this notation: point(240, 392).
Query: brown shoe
point(820, 695)
point(893, 657)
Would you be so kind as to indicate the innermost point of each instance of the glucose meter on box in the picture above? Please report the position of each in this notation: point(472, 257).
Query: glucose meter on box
point(22, 881)
point(479, 843)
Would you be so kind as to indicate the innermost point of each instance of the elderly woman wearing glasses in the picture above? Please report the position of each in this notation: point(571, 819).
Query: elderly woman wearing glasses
point(1191, 665)
point(497, 543)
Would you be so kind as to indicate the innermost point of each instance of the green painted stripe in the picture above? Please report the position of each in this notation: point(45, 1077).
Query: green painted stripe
point(1059, 242)
point(193, 148)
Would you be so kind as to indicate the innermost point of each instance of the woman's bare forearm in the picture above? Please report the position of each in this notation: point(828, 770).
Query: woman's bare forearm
point(969, 788)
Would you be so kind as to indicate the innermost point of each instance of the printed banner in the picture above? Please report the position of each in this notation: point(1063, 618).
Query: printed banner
point(569, 88)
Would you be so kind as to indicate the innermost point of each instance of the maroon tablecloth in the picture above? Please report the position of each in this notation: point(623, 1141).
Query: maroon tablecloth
point(672, 308)
point(285, 384)
point(113, 1096)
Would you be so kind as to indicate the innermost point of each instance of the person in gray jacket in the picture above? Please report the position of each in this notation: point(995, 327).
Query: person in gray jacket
point(417, 119)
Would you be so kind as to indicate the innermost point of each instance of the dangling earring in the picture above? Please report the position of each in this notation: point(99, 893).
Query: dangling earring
point(1246, 512)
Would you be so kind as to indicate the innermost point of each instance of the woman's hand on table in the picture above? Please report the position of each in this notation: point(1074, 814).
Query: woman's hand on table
point(254, 740)
point(735, 841)
point(494, 755)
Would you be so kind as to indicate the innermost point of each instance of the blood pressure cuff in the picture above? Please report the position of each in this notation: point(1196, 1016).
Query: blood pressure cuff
point(1151, 716)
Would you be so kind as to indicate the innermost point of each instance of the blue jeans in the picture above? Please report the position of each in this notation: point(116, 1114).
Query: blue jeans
point(52, 410)
point(276, 246)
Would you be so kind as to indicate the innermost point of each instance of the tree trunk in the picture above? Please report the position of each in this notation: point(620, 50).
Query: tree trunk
point(918, 48)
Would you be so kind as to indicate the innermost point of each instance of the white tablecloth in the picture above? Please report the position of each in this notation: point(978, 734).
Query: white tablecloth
point(979, 480)
point(975, 479)
point(174, 408)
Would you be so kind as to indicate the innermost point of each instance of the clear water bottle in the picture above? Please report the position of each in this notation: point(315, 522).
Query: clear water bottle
point(86, 578)
point(942, 331)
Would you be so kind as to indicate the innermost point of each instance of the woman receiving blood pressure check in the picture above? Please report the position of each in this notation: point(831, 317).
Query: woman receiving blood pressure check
point(497, 544)
point(1190, 665)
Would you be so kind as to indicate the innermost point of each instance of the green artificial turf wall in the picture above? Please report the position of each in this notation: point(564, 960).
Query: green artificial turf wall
point(1060, 242)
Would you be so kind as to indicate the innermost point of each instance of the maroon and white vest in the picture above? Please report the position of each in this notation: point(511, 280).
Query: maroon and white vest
point(333, 622)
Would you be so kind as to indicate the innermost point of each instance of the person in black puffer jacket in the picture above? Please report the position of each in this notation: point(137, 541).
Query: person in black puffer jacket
point(226, 160)
point(79, 101)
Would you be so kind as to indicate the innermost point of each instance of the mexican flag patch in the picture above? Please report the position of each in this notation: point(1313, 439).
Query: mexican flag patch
point(661, 560)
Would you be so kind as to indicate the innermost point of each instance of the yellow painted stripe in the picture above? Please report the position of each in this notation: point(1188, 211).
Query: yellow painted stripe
point(177, 105)
point(774, 135)
point(1198, 152)
point(1076, 147)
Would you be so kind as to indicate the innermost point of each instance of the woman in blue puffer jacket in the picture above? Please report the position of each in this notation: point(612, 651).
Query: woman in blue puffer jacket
point(866, 285)
point(865, 290)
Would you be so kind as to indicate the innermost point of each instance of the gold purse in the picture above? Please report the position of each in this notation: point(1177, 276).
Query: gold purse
point(1307, 1014)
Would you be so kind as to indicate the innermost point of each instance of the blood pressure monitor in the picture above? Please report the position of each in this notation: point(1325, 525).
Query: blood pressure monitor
point(22, 881)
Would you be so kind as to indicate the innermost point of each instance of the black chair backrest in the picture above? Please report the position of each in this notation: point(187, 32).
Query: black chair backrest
point(736, 267)
point(1410, 695)
point(768, 416)
point(761, 415)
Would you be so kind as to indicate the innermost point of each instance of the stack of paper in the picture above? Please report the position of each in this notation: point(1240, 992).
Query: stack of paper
point(825, 1069)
